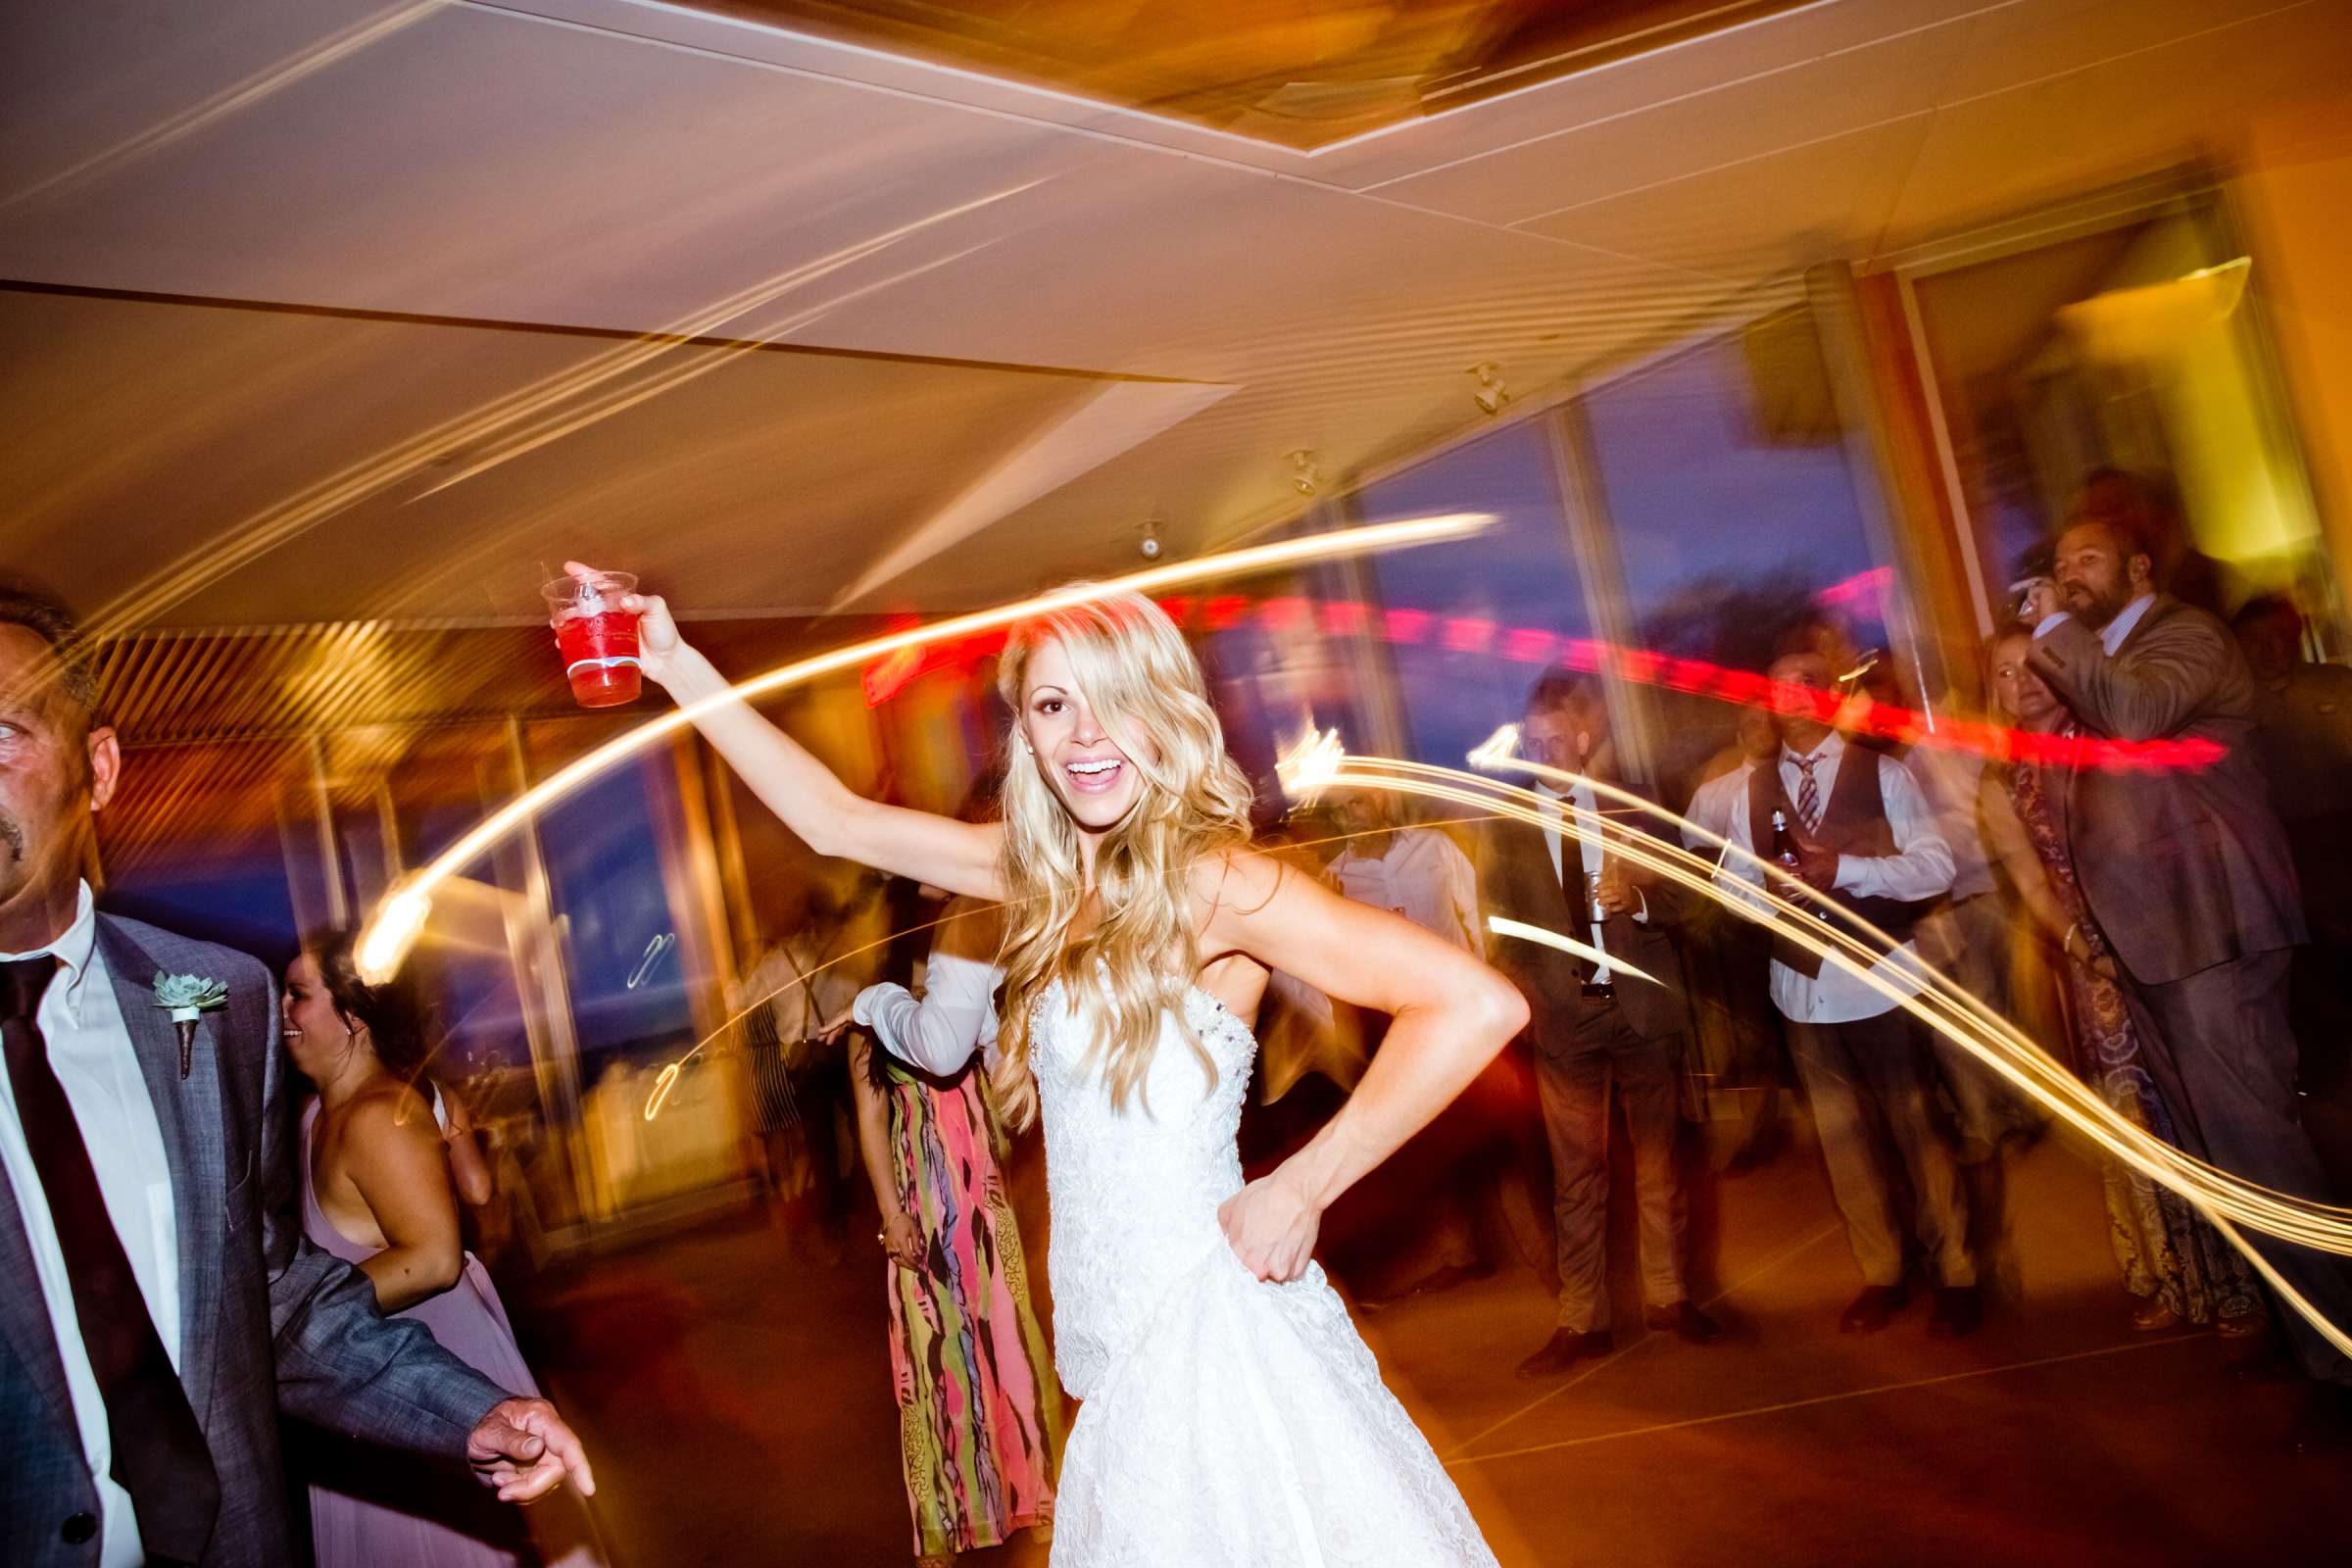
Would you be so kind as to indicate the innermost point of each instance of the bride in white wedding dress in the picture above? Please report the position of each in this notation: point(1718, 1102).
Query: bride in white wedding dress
point(1232, 1417)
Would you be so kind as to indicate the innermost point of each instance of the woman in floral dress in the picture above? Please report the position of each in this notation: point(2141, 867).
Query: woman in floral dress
point(2176, 1265)
point(980, 1421)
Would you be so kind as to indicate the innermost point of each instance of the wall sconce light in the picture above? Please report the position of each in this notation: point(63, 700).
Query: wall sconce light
point(1492, 394)
point(1149, 546)
point(1306, 475)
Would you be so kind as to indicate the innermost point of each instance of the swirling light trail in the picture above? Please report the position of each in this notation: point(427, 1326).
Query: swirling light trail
point(2224, 1200)
point(399, 917)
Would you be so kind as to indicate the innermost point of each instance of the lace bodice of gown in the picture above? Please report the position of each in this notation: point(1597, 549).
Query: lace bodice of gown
point(1136, 1189)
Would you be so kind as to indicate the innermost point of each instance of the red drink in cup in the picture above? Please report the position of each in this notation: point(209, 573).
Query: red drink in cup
point(598, 637)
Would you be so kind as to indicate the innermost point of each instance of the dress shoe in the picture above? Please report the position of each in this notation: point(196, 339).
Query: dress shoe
point(1958, 1310)
point(1873, 1309)
point(1685, 1322)
point(1564, 1349)
point(2244, 1325)
point(2152, 1316)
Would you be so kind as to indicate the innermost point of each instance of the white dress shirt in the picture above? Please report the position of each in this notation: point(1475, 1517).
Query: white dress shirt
point(92, 1053)
point(1423, 877)
point(2110, 635)
point(1921, 867)
point(957, 1015)
point(1713, 805)
point(1589, 825)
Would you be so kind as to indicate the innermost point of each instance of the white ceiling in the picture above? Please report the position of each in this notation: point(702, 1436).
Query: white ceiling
point(996, 256)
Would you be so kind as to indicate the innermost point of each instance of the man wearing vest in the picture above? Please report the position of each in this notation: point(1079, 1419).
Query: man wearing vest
point(1866, 836)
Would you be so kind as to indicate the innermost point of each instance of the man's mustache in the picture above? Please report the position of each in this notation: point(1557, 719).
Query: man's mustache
point(12, 835)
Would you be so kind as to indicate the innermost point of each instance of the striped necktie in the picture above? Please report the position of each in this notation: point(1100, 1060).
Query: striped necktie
point(1808, 792)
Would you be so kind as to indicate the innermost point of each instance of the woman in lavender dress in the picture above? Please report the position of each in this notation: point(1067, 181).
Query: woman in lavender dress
point(378, 1192)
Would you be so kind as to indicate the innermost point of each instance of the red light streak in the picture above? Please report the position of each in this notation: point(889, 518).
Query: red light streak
point(1532, 645)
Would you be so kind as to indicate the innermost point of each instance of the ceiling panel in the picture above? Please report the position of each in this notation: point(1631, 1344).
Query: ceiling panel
point(1702, 67)
point(1760, 215)
point(1826, 97)
point(2019, 44)
point(483, 165)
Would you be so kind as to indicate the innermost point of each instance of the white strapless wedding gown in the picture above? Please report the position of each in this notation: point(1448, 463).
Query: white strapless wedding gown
point(1228, 1422)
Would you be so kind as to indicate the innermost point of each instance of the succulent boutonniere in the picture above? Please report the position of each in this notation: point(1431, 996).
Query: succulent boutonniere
point(187, 997)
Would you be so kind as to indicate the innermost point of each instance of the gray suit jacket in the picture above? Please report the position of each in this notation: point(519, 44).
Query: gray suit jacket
point(2184, 867)
point(268, 1322)
point(1520, 885)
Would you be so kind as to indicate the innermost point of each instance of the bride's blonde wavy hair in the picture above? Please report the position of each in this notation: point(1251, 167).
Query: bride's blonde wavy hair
point(1144, 689)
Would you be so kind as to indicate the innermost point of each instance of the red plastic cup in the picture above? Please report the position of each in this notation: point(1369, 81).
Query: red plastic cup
point(598, 637)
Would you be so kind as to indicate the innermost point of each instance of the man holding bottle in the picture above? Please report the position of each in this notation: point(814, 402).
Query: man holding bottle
point(1852, 824)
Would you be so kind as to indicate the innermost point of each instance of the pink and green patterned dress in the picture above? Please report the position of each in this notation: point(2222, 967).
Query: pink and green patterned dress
point(980, 1429)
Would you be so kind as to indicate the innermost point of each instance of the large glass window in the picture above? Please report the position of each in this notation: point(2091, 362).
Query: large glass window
point(2138, 348)
point(195, 841)
point(1725, 476)
point(1469, 624)
point(605, 846)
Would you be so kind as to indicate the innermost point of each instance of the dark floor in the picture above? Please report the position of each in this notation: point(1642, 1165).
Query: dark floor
point(738, 1409)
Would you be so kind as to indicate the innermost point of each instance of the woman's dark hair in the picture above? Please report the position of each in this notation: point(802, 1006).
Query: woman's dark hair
point(395, 1020)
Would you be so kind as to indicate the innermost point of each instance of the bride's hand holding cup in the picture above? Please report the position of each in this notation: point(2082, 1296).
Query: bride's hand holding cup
point(658, 639)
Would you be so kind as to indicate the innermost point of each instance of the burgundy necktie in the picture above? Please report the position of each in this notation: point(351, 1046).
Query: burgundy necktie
point(160, 1456)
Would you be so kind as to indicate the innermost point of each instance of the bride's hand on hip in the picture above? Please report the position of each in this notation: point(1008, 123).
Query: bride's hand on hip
point(658, 639)
point(1271, 1227)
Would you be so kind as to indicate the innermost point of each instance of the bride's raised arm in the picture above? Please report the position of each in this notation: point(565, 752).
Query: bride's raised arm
point(1452, 1014)
point(830, 818)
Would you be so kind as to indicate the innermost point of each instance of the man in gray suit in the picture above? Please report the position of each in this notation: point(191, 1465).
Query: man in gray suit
point(2187, 872)
point(1599, 1034)
point(159, 1305)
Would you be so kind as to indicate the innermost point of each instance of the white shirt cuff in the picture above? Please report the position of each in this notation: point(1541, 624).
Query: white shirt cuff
point(2049, 624)
point(861, 1011)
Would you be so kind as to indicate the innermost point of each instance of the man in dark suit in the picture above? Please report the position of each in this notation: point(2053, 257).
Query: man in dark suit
point(162, 1307)
point(2304, 744)
point(2187, 872)
point(1599, 1032)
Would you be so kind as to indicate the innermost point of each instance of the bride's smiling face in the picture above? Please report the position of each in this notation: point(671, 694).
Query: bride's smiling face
point(1096, 780)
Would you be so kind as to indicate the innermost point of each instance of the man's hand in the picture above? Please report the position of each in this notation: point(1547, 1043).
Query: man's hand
point(1816, 866)
point(523, 1449)
point(2039, 600)
point(1615, 892)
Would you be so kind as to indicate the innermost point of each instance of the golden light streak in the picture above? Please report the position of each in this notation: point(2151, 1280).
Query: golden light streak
point(392, 929)
point(1552, 938)
point(2018, 1058)
point(667, 1079)
point(2226, 1200)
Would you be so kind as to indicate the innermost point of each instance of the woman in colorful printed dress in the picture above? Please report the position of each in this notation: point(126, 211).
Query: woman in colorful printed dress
point(2176, 1265)
point(979, 1412)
